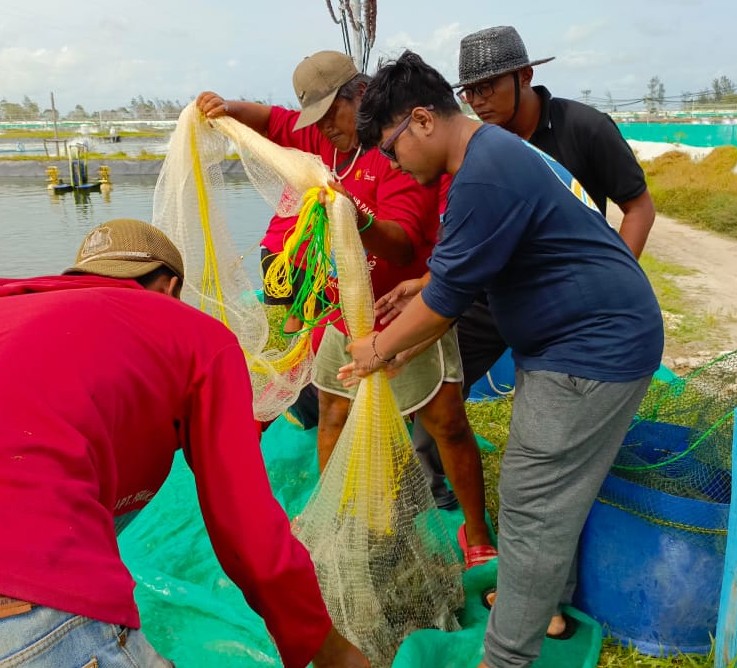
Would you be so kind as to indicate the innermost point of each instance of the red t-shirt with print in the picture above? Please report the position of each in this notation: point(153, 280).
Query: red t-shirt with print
point(376, 188)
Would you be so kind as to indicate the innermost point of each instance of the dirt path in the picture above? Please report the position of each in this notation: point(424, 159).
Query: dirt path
point(711, 288)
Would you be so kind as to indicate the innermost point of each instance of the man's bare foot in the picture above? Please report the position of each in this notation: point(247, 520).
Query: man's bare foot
point(557, 625)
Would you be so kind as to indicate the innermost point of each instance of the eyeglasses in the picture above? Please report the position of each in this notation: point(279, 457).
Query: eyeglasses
point(483, 89)
point(385, 148)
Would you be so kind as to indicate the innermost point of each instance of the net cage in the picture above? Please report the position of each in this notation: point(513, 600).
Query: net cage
point(384, 559)
point(678, 454)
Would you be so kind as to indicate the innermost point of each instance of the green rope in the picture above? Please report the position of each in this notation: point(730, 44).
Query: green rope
point(316, 262)
point(680, 455)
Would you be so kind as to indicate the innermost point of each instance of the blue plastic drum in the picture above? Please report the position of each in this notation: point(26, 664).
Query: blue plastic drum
point(498, 381)
point(653, 577)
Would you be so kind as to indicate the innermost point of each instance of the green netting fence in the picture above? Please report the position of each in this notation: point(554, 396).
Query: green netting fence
point(680, 444)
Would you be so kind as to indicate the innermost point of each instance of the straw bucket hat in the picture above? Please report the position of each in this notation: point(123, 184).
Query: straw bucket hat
point(490, 53)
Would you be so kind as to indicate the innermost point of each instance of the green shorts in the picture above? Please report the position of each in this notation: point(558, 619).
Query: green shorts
point(416, 384)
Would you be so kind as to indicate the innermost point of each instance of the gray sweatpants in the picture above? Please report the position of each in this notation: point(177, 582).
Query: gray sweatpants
point(564, 435)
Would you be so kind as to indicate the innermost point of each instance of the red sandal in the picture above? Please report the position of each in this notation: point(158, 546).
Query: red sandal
point(477, 554)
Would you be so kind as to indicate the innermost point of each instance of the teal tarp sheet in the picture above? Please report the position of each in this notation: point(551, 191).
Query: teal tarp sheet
point(193, 614)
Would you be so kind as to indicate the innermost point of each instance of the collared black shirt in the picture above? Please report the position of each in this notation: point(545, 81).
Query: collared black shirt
point(589, 145)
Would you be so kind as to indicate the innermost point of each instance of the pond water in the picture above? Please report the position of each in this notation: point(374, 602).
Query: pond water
point(41, 232)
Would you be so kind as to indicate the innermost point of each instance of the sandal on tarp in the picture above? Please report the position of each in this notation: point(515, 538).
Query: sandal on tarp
point(477, 554)
point(486, 595)
point(571, 625)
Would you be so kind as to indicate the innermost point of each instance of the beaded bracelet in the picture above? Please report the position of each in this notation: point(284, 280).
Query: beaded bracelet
point(367, 225)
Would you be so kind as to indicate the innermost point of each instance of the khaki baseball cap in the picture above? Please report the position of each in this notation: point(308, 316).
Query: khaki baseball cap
point(126, 248)
point(317, 80)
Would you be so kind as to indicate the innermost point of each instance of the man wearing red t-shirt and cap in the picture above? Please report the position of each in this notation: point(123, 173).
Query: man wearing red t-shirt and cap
point(398, 223)
point(105, 374)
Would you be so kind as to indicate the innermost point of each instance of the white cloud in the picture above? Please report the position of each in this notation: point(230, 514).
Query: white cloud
point(582, 32)
point(399, 42)
point(439, 49)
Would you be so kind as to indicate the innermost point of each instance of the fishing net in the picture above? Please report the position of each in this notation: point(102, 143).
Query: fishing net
point(189, 206)
point(678, 454)
point(384, 559)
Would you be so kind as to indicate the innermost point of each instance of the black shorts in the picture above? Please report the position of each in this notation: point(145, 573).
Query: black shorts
point(267, 257)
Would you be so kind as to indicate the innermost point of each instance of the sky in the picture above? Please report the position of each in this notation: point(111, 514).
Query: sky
point(102, 54)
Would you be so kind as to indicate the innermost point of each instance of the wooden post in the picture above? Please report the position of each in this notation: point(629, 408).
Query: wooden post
point(726, 642)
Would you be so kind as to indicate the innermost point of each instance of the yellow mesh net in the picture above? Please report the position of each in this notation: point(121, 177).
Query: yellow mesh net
point(383, 557)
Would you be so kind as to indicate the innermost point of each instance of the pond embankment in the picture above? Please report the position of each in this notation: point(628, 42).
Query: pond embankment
point(37, 168)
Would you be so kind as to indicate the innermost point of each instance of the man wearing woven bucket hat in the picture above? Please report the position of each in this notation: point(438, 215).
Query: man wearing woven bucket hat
point(495, 79)
point(106, 374)
point(398, 221)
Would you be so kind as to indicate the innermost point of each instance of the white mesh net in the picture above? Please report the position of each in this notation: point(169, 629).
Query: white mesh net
point(189, 207)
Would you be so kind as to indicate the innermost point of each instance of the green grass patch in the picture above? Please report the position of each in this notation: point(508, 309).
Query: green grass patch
point(111, 157)
point(683, 323)
point(613, 655)
point(700, 192)
point(17, 134)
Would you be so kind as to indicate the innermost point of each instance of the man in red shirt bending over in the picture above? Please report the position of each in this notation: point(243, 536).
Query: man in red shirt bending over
point(105, 374)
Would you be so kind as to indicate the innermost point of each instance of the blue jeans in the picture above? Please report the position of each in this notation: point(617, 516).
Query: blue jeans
point(48, 638)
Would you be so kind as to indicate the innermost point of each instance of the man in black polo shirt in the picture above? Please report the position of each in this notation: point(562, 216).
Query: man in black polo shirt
point(495, 79)
point(495, 75)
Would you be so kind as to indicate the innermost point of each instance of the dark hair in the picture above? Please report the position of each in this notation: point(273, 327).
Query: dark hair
point(396, 89)
point(351, 89)
point(154, 275)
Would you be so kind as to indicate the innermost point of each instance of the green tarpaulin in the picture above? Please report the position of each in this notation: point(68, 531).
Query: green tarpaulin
point(193, 614)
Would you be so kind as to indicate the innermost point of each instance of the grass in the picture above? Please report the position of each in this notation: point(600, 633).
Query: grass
point(18, 134)
point(702, 193)
point(105, 157)
point(683, 323)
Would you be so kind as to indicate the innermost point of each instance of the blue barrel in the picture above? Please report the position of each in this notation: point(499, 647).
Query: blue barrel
point(652, 576)
point(498, 381)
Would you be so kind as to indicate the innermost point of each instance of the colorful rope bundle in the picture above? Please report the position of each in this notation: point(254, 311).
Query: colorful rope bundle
point(307, 246)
